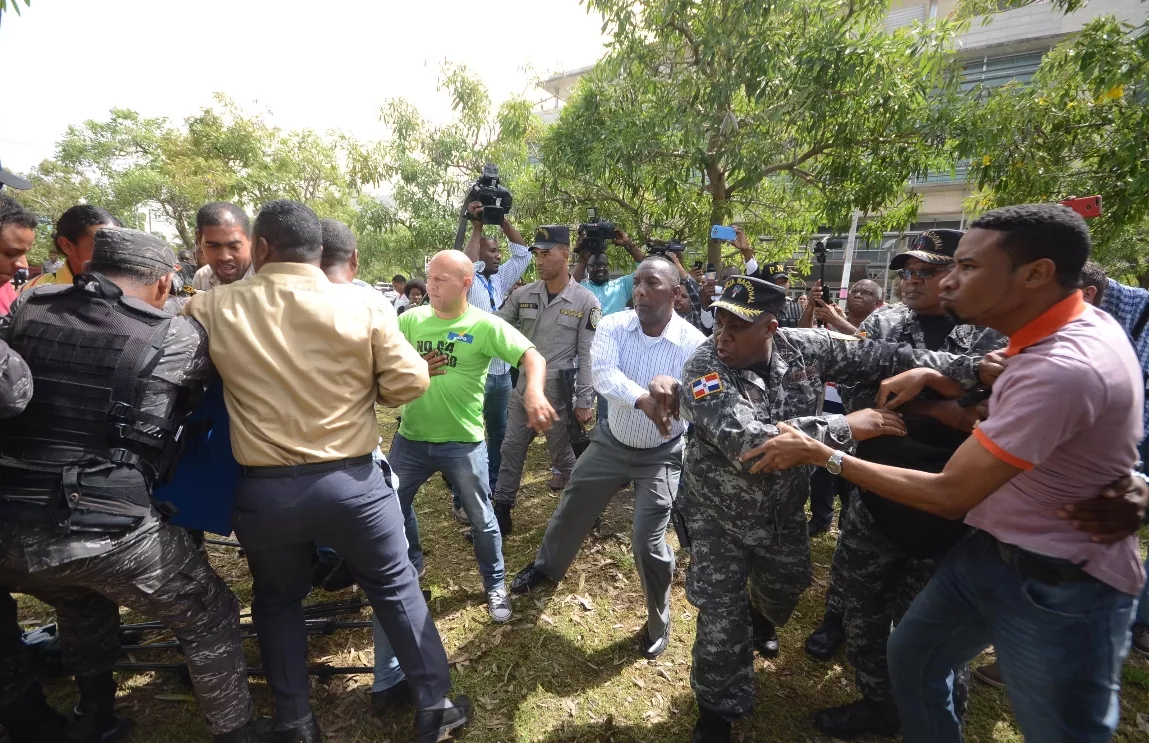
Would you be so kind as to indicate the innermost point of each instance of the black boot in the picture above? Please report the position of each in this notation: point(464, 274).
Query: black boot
point(711, 727)
point(825, 641)
point(765, 634)
point(863, 717)
point(29, 719)
point(94, 719)
point(503, 516)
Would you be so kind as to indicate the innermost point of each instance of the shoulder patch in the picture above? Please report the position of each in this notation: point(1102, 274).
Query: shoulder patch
point(706, 385)
point(593, 318)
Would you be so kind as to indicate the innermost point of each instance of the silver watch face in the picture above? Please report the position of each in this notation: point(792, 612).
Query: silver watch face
point(834, 465)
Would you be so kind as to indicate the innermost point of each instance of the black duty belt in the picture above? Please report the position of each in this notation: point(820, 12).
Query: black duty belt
point(303, 470)
point(1051, 570)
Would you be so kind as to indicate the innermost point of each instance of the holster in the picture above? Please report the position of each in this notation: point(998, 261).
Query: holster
point(579, 438)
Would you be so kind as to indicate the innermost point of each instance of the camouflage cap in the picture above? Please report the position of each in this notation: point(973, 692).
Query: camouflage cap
point(125, 247)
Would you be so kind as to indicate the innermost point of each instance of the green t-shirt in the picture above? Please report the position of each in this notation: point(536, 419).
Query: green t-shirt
point(452, 408)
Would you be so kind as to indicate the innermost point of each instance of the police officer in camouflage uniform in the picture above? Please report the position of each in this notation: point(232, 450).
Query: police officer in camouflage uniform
point(749, 531)
point(887, 552)
point(113, 375)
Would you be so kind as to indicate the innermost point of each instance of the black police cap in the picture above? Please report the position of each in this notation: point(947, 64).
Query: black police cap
point(932, 246)
point(552, 236)
point(748, 298)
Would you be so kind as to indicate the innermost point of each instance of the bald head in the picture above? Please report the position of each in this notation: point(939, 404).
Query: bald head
point(449, 277)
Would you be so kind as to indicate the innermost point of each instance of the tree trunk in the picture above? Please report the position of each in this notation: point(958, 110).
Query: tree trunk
point(718, 212)
point(185, 238)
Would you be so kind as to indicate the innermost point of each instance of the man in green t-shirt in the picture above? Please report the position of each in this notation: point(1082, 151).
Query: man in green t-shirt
point(442, 431)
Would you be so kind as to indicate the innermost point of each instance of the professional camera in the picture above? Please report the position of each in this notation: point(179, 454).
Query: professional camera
point(593, 235)
point(661, 247)
point(494, 196)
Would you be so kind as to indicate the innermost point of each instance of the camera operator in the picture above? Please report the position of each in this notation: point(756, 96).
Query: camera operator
point(612, 294)
point(493, 282)
point(864, 298)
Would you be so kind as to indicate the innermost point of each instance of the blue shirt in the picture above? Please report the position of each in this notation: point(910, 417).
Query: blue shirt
point(1125, 304)
point(614, 294)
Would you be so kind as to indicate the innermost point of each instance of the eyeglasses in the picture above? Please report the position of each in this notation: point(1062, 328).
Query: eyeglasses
point(905, 274)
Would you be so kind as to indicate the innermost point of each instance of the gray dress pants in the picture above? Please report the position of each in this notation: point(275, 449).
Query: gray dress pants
point(602, 469)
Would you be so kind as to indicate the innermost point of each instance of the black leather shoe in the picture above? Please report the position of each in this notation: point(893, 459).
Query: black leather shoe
point(391, 700)
point(266, 732)
point(765, 635)
point(434, 725)
point(651, 649)
point(94, 719)
point(503, 516)
point(817, 527)
point(825, 641)
point(528, 578)
point(863, 717)
point(30, 719)
point(710, 728)
point(245, 734)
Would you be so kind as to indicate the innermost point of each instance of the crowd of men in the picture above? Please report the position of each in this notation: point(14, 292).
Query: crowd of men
point(986, 448)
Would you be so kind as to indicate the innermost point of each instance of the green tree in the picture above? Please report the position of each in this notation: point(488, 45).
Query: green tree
point(798, 111)
point(1077, 129)
point(423, 171)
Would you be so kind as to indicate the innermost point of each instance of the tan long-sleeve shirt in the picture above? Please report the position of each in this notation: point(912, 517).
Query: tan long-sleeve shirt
point(303, 363)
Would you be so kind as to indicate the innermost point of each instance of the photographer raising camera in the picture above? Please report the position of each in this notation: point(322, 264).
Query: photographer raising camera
point(612, 294)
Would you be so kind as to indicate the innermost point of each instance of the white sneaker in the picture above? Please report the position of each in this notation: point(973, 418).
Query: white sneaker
point(499, 604)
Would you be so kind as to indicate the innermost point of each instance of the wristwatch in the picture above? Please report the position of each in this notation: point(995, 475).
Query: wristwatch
point(834, 463)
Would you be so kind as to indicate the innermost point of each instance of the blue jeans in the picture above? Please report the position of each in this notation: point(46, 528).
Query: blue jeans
point(495, 400)
point(1060, 648)
point(465, 465)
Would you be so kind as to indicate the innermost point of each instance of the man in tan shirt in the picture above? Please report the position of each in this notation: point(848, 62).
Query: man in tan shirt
point(303, 363)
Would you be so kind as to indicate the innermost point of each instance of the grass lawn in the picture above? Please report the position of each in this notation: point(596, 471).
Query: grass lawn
point(565, 668)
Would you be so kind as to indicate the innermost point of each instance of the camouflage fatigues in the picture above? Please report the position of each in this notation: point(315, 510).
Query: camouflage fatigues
point(872, 580)
point(15, 382)
point(150, 567)
point(750, 530)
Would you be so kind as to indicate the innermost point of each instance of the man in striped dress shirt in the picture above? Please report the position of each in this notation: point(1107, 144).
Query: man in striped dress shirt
point(638, 442)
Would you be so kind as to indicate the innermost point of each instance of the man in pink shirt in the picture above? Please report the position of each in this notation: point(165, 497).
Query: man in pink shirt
point(1065, 420)
point(17, 233)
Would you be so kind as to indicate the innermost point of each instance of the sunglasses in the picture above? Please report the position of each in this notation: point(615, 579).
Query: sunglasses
point(905, 274)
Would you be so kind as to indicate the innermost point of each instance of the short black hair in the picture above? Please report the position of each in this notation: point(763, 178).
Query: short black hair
point(339, 243)
point(665, 267)
point(132, 274)
point(1092, 274)
point(1035, 231)
point(414, 284)
point(12, 212)
point(72, 223)
point(291, 229)
point(218, 212)
point(398, 277)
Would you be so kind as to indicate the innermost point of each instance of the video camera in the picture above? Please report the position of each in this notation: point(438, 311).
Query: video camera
point(492, 194)
point(659, 247)
point(593, 235)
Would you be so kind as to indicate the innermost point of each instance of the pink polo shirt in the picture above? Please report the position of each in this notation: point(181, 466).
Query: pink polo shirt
point(7, 296)
point(1067, 412)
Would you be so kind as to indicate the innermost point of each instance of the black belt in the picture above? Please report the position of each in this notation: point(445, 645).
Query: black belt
point(1051, 570)
point(302, 470)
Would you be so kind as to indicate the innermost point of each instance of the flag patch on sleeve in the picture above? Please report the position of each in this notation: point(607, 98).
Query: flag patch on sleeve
point(707, 385)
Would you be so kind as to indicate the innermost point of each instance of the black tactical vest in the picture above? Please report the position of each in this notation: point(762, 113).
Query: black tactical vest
point(83, 446)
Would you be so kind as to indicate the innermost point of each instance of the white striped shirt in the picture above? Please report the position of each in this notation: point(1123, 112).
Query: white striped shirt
point(488, 295)
point(625, 360)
